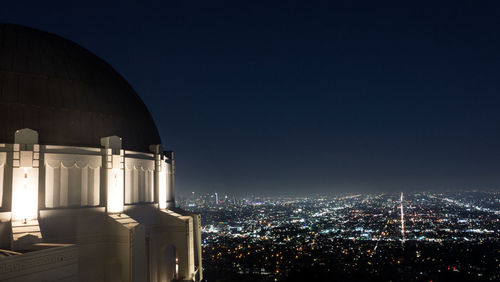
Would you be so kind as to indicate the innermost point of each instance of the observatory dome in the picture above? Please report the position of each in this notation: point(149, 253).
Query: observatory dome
point(66, 93)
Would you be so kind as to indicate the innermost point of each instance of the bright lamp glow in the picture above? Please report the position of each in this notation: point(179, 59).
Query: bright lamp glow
point(25, 193)
point(115, 190)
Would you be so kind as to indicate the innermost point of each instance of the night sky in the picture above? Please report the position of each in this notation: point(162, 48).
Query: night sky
point(292, 97)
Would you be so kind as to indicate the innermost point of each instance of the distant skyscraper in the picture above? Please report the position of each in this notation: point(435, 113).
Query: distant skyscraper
point(216, 198)
point(402, 220)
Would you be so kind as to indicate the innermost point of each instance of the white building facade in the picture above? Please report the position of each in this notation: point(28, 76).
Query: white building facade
point(100, 211)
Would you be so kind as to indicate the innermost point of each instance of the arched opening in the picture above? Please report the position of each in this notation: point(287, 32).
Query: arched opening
point(171, 263)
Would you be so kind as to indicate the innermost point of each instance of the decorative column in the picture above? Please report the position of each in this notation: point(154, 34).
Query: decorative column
point(25, 163)
point(170, 167)
point(162, 195)
point(159, 176)
point(113, 165)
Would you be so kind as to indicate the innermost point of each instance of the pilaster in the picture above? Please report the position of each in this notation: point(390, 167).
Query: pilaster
point(113, 166)
point(25, 163)
point(170, 164)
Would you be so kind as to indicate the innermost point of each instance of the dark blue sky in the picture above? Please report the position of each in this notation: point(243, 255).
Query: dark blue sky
point(284, 97)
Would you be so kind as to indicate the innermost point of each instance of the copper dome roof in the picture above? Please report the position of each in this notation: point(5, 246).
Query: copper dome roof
point(66, 93)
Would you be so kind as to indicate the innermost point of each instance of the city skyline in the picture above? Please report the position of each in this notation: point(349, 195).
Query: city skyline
point(353, 237)
point(287, 97)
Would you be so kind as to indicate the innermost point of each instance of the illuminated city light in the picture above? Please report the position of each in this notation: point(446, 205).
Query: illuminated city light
point(402, 221)
point(367, 231)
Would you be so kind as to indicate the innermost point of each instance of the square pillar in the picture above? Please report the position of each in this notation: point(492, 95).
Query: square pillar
point(159, 176)
point(114, 173)
point(162, 187)
point(170, 168)
point(25, 163)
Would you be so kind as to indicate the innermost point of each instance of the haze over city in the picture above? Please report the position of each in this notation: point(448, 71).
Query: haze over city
point(287, 96)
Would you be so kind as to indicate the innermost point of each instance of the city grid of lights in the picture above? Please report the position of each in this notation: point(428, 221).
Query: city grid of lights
point(404, 236)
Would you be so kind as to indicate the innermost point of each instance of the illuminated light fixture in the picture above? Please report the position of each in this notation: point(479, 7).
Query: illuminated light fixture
point(176, 267)
point(25, 194)
point(115, 191)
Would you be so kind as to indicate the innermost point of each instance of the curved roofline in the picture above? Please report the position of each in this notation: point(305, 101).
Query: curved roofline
point(104, 63)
